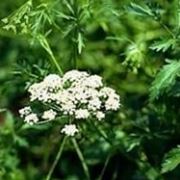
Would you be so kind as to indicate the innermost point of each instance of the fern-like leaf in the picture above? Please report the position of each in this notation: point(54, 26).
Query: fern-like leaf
point(165, 79)
point(172, 160)
point(164, 45)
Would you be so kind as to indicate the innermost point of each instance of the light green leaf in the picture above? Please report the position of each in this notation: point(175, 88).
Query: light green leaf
point(44, 43)
point(163, 45)
point(20, 141)
point(140, 10)
point(172, 160)
point(80, 43)
point(16, 20)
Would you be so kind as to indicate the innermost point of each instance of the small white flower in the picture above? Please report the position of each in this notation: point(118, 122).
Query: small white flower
point(112, 104)
point(74, 75)
point(78, 94)
point(100, 115)
point(91, 93)
point(94, 104)
point(106, 91)
point(31, 119)
point(93, 81)
point(52, 78)
point(70, 130)
point(68, 107)
point(25, 111)
point(53, 81)
point(81, 114)
point(38, 91)
point(49, 114)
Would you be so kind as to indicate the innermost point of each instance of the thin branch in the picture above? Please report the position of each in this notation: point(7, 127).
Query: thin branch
point(44, 43)
point(84, 165)
point(104, 168)
point(101, 132)
point(57, 158)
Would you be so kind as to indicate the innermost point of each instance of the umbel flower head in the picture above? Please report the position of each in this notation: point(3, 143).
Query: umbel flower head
point(77, 95)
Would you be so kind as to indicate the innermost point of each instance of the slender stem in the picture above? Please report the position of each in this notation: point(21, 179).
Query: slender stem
point(167, 29)
point(44, 122)
point(84, 165)
point(56, 159)
point(104, 168)
point(101, 132)
point(56, 64)
point(44, 43)
point(74, 50)
point(74, 36)
point(74, 59)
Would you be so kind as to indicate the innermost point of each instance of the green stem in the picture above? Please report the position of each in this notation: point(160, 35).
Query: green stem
point(74, 36)
point(166, 28)
point(44, 43)
point(104, 168)
point(56, 159)
point(101, 132)
point(74, 59)
point(84, 165)
point(56, 64)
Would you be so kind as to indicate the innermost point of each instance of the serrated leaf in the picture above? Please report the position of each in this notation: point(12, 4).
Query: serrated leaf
point(165, 79)
point(163, 45)
point(172, 160)
point(16, 20)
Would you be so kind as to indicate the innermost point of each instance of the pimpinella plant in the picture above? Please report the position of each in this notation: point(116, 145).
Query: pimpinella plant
point(96, 36)
point(76, 95)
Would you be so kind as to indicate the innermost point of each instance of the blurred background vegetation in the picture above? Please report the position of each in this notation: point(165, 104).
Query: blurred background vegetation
point(134, 46)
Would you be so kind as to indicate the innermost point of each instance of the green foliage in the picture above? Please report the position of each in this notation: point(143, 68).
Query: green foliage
point(172, 160)
point(165, 79)
point(134, 46)
point(135, 56)
point(8, 155)
point(19, 19)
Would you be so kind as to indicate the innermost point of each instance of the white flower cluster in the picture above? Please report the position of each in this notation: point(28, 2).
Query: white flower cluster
point(31, 118)
point(69, 130)
point(49, 114)
point(28, 115)
point(77, 94)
